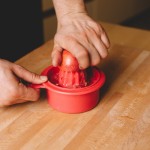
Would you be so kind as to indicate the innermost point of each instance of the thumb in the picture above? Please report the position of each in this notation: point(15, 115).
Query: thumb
point(56, 55)
point(27, 75)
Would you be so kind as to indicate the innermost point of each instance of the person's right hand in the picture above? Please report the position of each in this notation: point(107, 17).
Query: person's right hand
point(83, 37)
point(12, 90)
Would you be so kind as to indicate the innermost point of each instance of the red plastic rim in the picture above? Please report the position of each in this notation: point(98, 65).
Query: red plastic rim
point(98, 80)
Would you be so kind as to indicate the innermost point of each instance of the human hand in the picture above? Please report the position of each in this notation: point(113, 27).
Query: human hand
point(81, 36)
point(12, 91)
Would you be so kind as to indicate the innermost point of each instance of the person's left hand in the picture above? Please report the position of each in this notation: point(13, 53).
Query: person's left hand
point(12, 89)
point(81, 36)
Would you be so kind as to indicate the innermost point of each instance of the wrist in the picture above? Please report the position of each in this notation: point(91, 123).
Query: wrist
point(70, 18)
point(68, 7)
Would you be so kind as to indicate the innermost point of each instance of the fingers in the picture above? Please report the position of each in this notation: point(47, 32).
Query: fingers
point(28, 93)
point(22, 93)
point(19, 94)
point(101, 33)
point(89, 47)
point(12, 91)
point(95, 47)
point(98, 43)
point(76, 48)
point(27, 75)
point(56, 55)
point(105, 39)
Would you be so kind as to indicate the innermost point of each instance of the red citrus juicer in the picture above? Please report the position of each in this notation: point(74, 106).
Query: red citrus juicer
point(70, 76)
point(70, 89)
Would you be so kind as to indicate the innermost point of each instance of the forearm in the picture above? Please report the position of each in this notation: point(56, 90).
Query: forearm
point(78, 33)
point(64, 7)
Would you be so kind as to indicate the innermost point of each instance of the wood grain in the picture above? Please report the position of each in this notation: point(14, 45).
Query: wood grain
point(121, 121)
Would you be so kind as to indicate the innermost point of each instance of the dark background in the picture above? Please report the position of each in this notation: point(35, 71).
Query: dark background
point(20, 27)
point(141, 20)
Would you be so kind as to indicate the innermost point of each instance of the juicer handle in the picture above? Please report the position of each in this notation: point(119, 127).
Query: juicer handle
point(37, 86)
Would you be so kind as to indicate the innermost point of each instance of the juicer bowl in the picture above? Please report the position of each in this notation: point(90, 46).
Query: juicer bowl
point(73, 100)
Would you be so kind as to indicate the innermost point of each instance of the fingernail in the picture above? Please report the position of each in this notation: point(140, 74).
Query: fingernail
point(81, 68)
point(43, 78)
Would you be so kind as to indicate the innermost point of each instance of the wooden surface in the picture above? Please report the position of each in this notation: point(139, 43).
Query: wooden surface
point(121, 121)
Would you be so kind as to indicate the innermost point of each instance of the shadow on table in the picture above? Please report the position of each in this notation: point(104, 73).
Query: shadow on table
point(114, 65)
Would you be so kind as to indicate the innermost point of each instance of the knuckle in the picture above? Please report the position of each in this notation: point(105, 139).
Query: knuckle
point(83, 33)
point(7, 103)
point(2, 103)
point(69, 39)
point(85, 65)
point(13, 93)
point(32, 94)
point(10, 98)
point(97, 27)
point(34, 76)
point(83, 58)
point(96, 61)
point(20, 68)
point(57, 37)
point(82, 54)
point(53, 53)
point(36, 98)
point(102, 30)
point(104, 54)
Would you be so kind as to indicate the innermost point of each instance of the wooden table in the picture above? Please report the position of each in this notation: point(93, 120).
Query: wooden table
point(121, 120)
